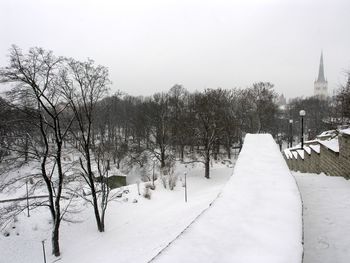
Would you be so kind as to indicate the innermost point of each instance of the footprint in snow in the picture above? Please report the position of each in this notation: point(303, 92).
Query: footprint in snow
point(328, 221)
point(322, 243)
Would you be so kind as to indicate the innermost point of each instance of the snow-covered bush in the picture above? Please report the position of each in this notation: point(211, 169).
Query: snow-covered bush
point(144, 174)
point(150, 186)
point(172, 179)
point(147, 193)
point(164, 180)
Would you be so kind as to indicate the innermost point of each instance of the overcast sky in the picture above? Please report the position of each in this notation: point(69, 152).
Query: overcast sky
point(151, 45)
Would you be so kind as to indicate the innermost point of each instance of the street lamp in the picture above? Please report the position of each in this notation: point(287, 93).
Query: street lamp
point(185, 174)
point(291, 133)
point(153, 177)
point(302, 114)
point(27, 198)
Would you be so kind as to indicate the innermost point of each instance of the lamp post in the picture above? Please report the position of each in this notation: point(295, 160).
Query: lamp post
point(291, 133)
point(27, 198)
point(302, 114)
point(154, 162)
point(185, 174)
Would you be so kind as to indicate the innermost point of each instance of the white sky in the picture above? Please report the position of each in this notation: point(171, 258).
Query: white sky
point(151, 45)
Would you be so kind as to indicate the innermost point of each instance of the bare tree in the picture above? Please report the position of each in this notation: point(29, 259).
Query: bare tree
point(83, 85)
point(207, 124)
point(264, 97)
point(343, 102)
point(158, 115)
point(37, 72)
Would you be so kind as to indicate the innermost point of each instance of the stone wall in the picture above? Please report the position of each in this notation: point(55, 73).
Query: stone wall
point(327, 158)
point(329, 162)
point(344, 153)
point(307, 162)
point(314, 162)
point(301, 162)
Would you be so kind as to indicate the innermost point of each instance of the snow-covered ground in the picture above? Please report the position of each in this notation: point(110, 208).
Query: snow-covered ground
point(135, 232)
point(326, 218)
point(257, 218)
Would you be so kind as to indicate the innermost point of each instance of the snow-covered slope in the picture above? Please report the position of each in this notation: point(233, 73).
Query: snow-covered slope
point(135, 232)
point(257, 218)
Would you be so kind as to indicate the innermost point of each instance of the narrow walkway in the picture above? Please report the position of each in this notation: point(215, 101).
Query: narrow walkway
point(326, 218)
point(256, 218)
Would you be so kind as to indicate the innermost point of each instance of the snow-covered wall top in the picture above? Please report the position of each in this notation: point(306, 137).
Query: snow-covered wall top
point(331, 144)
point(257, 217)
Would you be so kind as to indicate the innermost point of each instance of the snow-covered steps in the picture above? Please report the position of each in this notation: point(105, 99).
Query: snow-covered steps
point(257, 218)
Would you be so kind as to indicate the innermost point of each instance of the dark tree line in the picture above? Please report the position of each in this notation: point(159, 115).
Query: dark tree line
point(179, 124)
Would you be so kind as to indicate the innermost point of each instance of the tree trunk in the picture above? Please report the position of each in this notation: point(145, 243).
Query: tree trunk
point(228, 148)
point(182, 149)
point(207, 163)
point(55, 238)
point(103, 220)
point(93, 190)
point(162, 158)
point(216, 150)
point(229, 152)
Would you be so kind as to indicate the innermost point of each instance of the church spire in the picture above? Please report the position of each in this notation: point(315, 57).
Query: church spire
point(321, 70)
point(321, 84)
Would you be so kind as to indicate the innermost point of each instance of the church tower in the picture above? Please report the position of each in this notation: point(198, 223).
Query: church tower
point(321, 84)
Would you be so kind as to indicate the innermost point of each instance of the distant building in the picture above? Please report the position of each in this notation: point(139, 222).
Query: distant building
point(281, 100)
point(321, 84)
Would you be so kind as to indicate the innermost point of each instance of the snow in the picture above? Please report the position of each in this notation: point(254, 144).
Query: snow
point(331, 144)
point(326, 218)
point(311, 141)
point(288, 154)
point(345, 131)
point(135, 232)
point(295, 154)
point(295, 147)
point(327, 134)
point(257, 218)
point(315, 147)
point(307, 149)
point(301, 153)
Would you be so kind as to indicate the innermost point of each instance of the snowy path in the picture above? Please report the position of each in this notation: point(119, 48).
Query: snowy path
point(256, 218)
point(326, 218)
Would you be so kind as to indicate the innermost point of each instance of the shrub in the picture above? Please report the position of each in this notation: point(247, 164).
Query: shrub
point(147, 193)
point(164, 181)
point(150, 186)
point(172, 181)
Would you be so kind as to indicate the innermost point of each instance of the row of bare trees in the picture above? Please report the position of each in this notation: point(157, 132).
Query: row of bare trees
point(52, 100)
point(179, 124)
